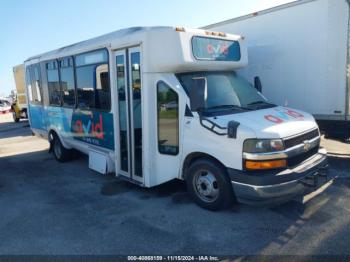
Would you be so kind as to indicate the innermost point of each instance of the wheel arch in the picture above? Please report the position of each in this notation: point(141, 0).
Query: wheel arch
point(192, 157)
point(55, 132)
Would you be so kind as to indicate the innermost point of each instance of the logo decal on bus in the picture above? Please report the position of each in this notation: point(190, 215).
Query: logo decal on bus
point(220, 49)
point(282, 116)
point(93, 127)
point(90, 128)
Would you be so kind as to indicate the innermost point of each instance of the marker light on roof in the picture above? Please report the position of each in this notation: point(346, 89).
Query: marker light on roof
point(180, 29)
point(215, 33)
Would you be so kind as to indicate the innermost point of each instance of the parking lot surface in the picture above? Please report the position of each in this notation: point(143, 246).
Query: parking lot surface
point(51, 208)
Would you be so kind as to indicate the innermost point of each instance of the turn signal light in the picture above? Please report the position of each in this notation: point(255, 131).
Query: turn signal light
point(261, 165)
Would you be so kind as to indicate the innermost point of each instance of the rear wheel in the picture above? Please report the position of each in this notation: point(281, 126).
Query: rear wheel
point(61, 153)
point(209, 185)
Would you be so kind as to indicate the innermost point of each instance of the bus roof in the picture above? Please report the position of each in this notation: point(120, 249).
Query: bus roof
point(98, 40)
point(166, 49)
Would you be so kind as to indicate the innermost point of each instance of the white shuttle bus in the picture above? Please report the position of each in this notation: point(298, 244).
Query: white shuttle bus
point(162, 103)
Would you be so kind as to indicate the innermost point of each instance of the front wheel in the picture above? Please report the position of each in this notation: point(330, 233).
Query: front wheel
point(209, 185)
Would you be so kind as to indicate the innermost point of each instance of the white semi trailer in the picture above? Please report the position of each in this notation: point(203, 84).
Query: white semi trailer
point(300, 51)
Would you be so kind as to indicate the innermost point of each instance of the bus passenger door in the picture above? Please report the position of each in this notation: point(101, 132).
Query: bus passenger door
point(170, 107)
point(129, 139)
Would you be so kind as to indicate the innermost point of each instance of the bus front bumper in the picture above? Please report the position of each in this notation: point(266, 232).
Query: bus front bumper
point(273, 187)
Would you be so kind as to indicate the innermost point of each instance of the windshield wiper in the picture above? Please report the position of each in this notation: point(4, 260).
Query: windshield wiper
point(260, 103)
point(229, 107)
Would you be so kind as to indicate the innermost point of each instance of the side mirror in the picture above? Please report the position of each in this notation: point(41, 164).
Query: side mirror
point(232, 127)
point(198, 93)
point(257, 84)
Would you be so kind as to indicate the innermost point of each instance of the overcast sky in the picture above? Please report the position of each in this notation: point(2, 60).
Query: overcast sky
point(31, 27)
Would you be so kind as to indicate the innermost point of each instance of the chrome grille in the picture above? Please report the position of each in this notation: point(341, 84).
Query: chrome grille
point(298, 159)
point(290, 142)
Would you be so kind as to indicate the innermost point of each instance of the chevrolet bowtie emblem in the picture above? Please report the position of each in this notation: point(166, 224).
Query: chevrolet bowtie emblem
point(307, 145)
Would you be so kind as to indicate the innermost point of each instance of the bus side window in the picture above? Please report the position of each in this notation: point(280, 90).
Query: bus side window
point(92, 78)
point(168, 119)
point(33, 82)
point(102, 92)
point(37, 83)
point(29, 84)
point(67, 81)
point(53, 83)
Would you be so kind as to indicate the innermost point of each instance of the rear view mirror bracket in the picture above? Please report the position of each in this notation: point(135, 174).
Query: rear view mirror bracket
point(198, 93)
point(257, 84)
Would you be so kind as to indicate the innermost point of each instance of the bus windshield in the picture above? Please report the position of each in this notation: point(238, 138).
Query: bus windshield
point(222, 91)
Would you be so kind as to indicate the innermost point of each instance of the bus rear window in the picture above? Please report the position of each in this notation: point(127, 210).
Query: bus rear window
point(205, 48)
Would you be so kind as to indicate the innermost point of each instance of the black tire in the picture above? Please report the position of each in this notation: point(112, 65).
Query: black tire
point(61, 153)
point(205, 176)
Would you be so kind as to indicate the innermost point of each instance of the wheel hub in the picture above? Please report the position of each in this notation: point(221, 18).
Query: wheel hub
point(206, 186)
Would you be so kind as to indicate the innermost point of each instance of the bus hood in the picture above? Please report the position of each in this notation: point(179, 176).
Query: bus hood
point(276, 122)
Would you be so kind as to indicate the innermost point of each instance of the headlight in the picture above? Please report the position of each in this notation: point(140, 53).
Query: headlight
point(262, 145)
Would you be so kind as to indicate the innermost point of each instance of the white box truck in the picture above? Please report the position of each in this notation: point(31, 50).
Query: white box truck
point(300, 51)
